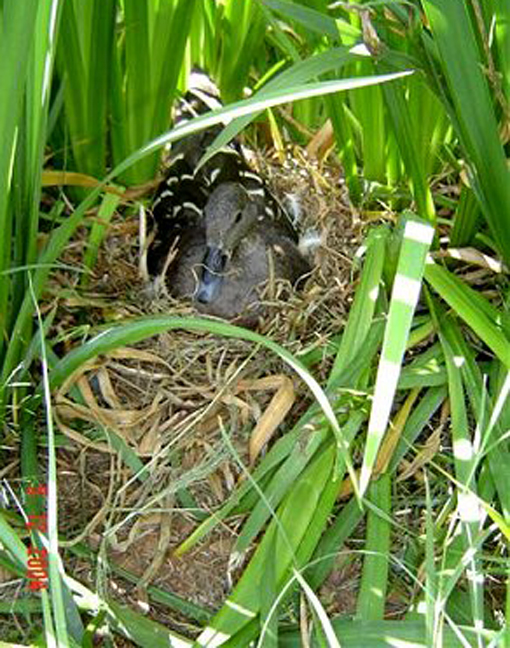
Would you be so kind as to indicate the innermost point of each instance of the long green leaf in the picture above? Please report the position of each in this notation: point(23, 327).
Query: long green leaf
point(471, 514)
point(409, 148)
point(364, 306)
point(283, 537)
point(374, 578)
point(18, 27)
point(405, 294)
point(309, 18)
point(299, 73)
point(388, 634)
point(475, 310)
point(460, 61)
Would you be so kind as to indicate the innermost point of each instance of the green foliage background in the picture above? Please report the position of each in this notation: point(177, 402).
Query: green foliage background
point(91, 85)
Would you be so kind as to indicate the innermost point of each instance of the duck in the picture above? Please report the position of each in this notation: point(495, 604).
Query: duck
point(219, 233)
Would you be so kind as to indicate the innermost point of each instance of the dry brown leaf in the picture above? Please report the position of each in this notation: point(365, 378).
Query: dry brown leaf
point(214, 481)
point(162, 547)
point(429, 450)
point(275, 412)
point(127, 423)
point(129, 353)
point(322, 141)
point(394, 433)
point(107, 388)
point(60, 178)
point(76, 436)
point(150, 444)
point(475, 257)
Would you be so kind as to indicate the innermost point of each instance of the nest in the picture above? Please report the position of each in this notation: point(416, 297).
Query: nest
point(194, 410)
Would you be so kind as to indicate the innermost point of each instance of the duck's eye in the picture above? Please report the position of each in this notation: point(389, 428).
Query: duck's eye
point(238, 217)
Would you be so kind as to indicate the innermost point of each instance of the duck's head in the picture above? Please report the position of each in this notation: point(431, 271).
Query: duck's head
point(230, 214)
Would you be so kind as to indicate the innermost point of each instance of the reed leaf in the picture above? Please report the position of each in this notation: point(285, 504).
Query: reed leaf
point(18, 29)
point(461, 64)
point(406, 289)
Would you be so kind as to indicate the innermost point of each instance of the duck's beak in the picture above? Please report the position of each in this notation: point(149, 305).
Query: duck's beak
point(210, 282)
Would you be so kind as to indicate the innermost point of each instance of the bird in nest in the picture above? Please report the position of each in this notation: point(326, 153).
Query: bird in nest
point(219, 232)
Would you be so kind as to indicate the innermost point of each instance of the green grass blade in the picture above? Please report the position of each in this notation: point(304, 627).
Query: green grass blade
point(98, 232)
point(283, 538)
point(406, 290)
point(430, 567)
point(309, 18)
point(138, 628)
point(368, 108)
point(269, 604)
point(502, 38)
point(172, 26)
point(491, 429)
point(28, 165)
point(18, 29)
point(11, 541)
point(388, 634)
point(298, 75)
point(276, 36)
point(475, 310)
point(364, 306)
point(98, 83)
point(467, 219)
point(430, 124)
point(324, 622)
point(404, 132)
point(73, 72)
point(137, 83)
point(374, 578)
point(60, 611)
point(346, 145)
point(37, 102)
point(244, 22)
point(460, 60)
point(465, 460)
point(332, 540)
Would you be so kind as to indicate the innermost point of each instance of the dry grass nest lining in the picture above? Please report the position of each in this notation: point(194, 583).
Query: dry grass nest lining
point(175, 398)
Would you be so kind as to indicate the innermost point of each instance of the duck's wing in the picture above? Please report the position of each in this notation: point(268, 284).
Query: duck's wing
point(229, 164)
point(181, 197)
point(177, 210)
point(201, 97)
point(180, 192)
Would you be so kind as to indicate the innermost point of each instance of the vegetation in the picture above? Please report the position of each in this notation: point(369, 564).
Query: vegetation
point(418, 98)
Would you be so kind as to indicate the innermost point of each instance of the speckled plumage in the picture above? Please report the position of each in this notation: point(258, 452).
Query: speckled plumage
point(228, 232)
